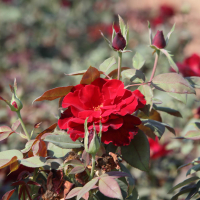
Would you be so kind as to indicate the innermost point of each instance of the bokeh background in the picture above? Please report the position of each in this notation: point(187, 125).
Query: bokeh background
point(42, 40)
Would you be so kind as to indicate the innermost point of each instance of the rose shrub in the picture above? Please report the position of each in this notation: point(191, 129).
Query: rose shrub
point(104, 101)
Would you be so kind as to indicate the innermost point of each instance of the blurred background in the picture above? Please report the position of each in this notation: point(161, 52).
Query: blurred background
point(42, 40)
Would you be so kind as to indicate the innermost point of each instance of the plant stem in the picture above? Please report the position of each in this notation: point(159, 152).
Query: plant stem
point(93, 166)
point(154, 68)
point(23, 126)
point(119, 65)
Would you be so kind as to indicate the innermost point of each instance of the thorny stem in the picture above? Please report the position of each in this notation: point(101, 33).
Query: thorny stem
point(22, 124)
point(119, 64)
point(93, 166)
point(154, 68)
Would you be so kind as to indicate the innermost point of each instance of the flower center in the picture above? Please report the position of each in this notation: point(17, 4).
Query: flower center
point(98, 108)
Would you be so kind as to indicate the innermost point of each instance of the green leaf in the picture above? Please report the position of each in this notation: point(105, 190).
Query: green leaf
point(129, 179)
point(110, 188)
point(185, 182)
point(193, 135)
point(140, 154)
point(87, 187)
point(55, 151)
point(172, 82)
point(8, 157)
point(168, 110)
point(193, 169)
point(113, 32)
point(180, 97)
point(183, 190)
point(122, 26)
point(169, 34)
point(170, 60)
point(157, 127)
point(138, 61)
point(194, 81)
point(63, 141)
point(135, 76)
point(107, 64)
point(33, 162)
point(148, 93)
point(5, 132)
point(106, 39)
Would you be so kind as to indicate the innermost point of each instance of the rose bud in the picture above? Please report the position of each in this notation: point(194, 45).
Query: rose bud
point(119, 43)
point(16, 103)
point(92, 141)
point(159, 40)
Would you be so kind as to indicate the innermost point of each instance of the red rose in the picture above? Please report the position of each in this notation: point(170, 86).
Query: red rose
point(106, 101)
point(119, 43)
point(157, 150)
point(166, 11)
point(159, 40)
point(190, 66)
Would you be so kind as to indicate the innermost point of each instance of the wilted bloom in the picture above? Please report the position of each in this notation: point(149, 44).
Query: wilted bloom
point(119, 43)
point(159, 40)
point(103, 101)
point(190, 66)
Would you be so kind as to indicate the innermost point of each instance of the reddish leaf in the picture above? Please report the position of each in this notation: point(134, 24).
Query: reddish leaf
point(15, 125)
point(113, 74)
point(7, 162)
point(8, 194)
point(67, 187)
point(110, 188)
point(75, 192)
point(18, 183)
point(77, 169)
point(48, 130)
point(24, 189)
point(87, 187)
point(54, 93)
point(33, 183)
point(37, 125)
point(5, 132)
point(90, 75)
point(14, 166)
point(1, 98)
point(22, 175)
point(39, 148)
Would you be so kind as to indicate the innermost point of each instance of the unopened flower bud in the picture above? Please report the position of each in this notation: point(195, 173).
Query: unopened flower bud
point(119, 43)
point(92, 141)
point(16, 104)
point(159, 40)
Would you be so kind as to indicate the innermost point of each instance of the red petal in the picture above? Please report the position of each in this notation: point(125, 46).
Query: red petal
point(113, 88)
point(64, 119)
point(90, 96)
point(72, 99)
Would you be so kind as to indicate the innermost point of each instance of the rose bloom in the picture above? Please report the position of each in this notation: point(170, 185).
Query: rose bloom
point(157, 150)
point(104, 101)
point(165, 13)
point(190, 66)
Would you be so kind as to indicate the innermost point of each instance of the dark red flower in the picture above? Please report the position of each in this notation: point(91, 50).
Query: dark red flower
point(119, 43)
point(159, 40)
point(164, 14)
point(157, 150)
point(106, 101)
point(166, 11)
point(190, 66)
point(65, 3)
